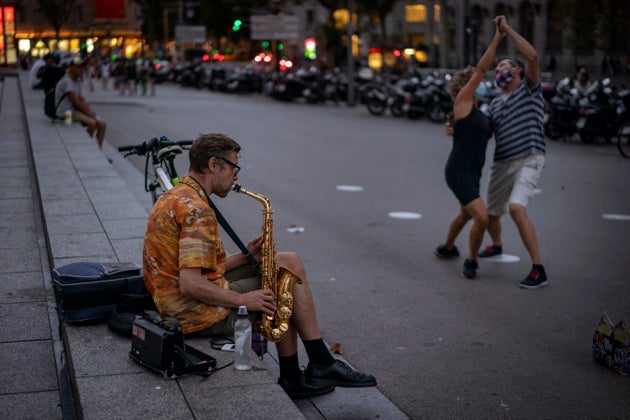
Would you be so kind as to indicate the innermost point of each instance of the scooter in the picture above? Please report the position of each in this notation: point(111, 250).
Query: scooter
point(562, 112)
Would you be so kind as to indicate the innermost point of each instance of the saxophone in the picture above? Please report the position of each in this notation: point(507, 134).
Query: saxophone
point(280, 280)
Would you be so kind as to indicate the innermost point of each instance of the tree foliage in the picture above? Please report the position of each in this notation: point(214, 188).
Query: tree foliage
point(56, 12)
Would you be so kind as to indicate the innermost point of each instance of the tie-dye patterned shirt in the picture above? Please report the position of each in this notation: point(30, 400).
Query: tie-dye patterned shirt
point(182, 232)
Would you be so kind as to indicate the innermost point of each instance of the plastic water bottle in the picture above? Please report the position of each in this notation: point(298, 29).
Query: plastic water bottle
point(242, 340)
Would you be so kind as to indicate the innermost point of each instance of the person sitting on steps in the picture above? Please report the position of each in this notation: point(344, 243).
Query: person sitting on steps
point(70, 86)
point(190, 277)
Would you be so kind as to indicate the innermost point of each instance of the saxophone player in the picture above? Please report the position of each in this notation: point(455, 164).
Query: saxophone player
point(191, 278)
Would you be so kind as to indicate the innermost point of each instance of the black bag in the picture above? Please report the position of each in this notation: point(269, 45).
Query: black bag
point(88, 291)
point(50, 108)
point(158, 345)
point(124, 314)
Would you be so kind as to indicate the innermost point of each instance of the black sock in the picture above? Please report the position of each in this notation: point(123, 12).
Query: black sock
point(289, 367)
point(318, 353)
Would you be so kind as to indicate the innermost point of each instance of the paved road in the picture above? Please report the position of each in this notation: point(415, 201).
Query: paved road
point(440, 346)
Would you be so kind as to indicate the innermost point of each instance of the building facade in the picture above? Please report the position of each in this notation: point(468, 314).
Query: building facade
point(566, 33)
point(102, 26)
point(428, 33)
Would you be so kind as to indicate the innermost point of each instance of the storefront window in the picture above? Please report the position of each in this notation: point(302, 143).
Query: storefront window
point(8, 52)
point(416, 13)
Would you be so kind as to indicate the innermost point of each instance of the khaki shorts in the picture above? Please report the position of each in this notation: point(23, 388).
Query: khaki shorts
point(79, 116)
point(242, 279)
point(513, 182)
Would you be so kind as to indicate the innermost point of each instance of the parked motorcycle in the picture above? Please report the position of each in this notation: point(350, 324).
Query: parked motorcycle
point(383, 96)
point(602, 111)
point(562, 111)
point(429, 98)
point(301, 84)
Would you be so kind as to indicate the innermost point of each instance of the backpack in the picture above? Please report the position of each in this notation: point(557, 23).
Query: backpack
point(50, 108)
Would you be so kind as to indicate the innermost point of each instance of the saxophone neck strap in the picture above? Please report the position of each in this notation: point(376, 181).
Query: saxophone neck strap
point(228, 229)
point(226, 226)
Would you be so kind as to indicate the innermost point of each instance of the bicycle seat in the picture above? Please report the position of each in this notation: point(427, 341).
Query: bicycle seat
point(176, 150)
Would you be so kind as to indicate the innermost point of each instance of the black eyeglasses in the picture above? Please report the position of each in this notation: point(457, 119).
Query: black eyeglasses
point(232, 164)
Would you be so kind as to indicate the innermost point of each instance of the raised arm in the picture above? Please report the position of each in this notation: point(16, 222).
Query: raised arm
point(527, 50)
point(464, 100)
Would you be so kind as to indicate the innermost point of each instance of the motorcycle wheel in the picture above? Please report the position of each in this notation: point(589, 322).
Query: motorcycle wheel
point(552, 130)
point(437, 113)
point(587, 138)
point(312, 98)
point(623, 140)
point(414, 113)
point(590, 135)
point(376, 106)
point(396, 108)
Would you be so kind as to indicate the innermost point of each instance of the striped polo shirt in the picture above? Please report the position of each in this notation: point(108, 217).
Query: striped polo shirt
point(517, 120)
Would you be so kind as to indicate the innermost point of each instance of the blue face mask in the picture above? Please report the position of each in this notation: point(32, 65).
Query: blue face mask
point(481, 91)
point(504, 78)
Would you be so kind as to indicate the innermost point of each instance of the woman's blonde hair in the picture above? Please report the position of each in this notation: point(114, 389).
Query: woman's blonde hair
point(459, 79)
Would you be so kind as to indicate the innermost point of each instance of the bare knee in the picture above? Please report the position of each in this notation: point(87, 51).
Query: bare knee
point(517, 212)
point(290, 260)
point(482, 220)
point(464, 216)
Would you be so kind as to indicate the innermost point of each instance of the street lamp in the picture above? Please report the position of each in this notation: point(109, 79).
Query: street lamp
point(350, 92)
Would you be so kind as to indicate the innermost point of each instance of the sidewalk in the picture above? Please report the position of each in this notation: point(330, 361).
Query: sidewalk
point(88, 213)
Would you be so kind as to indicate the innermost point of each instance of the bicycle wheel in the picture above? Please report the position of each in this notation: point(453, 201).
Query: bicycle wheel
point(623, 140)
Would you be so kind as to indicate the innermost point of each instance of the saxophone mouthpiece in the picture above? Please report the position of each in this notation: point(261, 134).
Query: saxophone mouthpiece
point(236, 187)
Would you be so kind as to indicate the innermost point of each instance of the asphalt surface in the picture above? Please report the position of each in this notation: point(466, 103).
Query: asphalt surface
point(440, 346)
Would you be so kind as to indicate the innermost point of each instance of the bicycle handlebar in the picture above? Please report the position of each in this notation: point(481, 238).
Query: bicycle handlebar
point(154, 145)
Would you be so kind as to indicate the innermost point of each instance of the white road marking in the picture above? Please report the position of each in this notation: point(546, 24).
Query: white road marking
point(350, 188)
point(502, 258)
point(618, 217)
point(404, 215)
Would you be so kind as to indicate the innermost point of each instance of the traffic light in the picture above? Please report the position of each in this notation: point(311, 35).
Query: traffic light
point(310, 45)
point(236, 26)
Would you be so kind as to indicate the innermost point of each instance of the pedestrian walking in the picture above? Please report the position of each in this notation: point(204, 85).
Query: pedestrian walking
point(105, 70)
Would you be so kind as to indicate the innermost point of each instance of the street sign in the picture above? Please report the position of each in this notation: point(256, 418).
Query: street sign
point(190, 34)
point(269, 27)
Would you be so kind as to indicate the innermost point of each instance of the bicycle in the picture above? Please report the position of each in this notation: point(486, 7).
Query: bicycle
point(623, 140)
point(162, 153)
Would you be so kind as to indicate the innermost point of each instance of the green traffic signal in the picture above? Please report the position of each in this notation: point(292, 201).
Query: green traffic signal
point(237, 25)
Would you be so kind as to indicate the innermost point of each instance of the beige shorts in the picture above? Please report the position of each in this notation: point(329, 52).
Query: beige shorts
point(513, 181)
point(242, 279)
point(79, 116)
